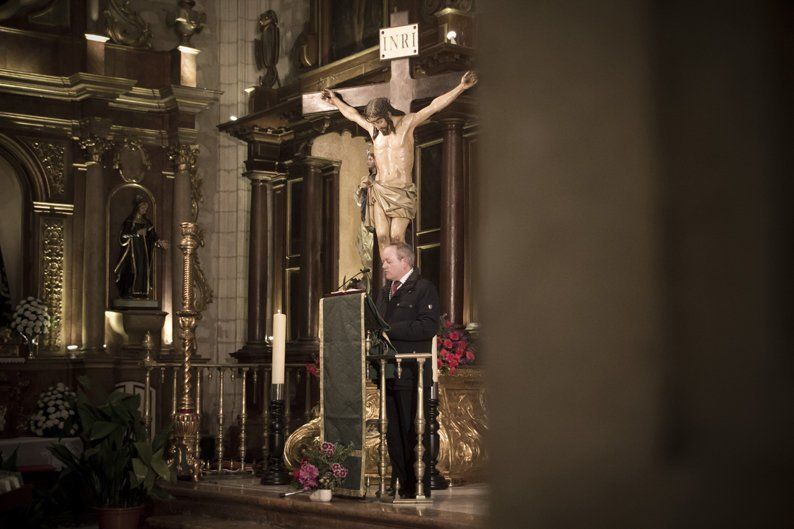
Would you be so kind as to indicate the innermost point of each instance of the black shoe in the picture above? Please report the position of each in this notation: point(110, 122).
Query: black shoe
point(407, 492)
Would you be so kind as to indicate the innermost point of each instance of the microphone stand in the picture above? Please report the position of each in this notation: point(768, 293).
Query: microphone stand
point(347, 281)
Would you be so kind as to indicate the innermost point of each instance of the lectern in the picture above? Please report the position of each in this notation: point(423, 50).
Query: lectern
point(346, 320)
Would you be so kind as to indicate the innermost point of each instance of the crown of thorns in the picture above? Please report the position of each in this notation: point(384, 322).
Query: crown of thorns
point(380, 107)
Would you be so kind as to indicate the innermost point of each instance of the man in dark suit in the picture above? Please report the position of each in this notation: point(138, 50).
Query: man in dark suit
point(409, 304)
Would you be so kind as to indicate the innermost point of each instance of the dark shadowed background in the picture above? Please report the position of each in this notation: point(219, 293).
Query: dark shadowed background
point(635, 262)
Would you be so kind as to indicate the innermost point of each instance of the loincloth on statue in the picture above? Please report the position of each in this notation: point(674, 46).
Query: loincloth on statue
point(396, 202)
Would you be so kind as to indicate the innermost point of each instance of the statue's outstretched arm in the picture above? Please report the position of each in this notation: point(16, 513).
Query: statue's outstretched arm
point(349, 112)
point(468, 80)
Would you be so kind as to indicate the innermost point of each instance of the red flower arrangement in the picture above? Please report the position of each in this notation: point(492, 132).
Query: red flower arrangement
point(313, 367)
point(454, 347)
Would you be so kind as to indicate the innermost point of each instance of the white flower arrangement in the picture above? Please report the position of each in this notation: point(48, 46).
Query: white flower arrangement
point(56, 415)
point(31, 318)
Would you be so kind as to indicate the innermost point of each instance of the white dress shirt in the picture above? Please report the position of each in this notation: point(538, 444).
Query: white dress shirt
point(404, 278)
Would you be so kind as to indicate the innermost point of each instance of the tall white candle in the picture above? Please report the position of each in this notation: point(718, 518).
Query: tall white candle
point(279, 347)
point(435, 359)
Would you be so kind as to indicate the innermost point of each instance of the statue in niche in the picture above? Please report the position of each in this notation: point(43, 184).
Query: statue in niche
point(266, 49)
point(138, 241)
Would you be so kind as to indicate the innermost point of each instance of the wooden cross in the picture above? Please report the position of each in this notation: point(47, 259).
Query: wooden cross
point(401, 89)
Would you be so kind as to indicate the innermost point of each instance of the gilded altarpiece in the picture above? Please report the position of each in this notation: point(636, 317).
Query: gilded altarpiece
point(52, 222)
point(53, 249)
point(52, 157)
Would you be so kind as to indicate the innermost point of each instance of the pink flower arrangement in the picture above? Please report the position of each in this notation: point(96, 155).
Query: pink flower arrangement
point(306, 475)
point(455, 349)
point(322, 466)
point(339, 471)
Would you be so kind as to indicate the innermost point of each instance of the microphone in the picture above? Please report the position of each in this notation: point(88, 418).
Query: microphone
point(345, 282)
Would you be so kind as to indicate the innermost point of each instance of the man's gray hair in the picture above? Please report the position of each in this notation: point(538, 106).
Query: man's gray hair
point(403, 251)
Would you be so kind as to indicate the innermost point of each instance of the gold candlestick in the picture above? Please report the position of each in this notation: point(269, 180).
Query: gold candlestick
point(186, 420)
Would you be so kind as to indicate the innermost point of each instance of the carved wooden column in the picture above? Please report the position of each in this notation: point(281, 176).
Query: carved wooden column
point(265, 171)
point(311, 287)
point(94, 278)
point(257, 265)
point(185, 159)
point(452, 220)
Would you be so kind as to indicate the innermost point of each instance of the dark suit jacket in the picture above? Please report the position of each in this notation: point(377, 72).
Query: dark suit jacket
point(413, 315)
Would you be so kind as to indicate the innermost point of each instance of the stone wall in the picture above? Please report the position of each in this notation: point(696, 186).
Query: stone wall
point(237, 28)
point(227, 63)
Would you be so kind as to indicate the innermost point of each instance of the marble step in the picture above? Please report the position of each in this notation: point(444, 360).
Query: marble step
point(188, 521)
point(205, 505)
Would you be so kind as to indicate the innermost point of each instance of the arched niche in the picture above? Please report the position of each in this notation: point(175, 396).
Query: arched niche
point(22, 182)
point(120, 205)
point(12, 247)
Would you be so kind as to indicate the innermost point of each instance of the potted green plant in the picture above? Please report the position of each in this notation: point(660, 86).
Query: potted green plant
point(121, 467)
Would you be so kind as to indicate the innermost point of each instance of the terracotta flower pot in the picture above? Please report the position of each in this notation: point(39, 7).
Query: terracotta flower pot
point(119, 517)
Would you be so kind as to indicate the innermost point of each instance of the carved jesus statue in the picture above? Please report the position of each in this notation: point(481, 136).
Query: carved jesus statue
point(392, 195)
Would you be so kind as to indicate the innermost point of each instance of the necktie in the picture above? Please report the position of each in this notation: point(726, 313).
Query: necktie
point(394, 286)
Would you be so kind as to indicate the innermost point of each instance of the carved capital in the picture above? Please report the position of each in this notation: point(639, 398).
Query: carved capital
point(95, 147)
point(185, 157)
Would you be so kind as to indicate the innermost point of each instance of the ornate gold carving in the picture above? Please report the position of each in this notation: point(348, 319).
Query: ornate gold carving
point(463, 423)
point(300, 440)
point(52, 250)
point(130, 160)
point(148, 344)
point(53, 160)
point(186, 420)
point(205, 293)
point(125, 26)
point(462, 419)
point(303, 437)
point(185, 158)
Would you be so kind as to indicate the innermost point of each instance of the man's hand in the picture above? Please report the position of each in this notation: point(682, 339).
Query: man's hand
point(329, 97)
point(468, 80)
point(142, 232)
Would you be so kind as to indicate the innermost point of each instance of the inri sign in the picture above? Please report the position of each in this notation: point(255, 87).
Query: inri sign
point(402, 41)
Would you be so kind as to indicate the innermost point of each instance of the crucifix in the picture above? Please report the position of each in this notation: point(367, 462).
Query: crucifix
point(391, 195)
